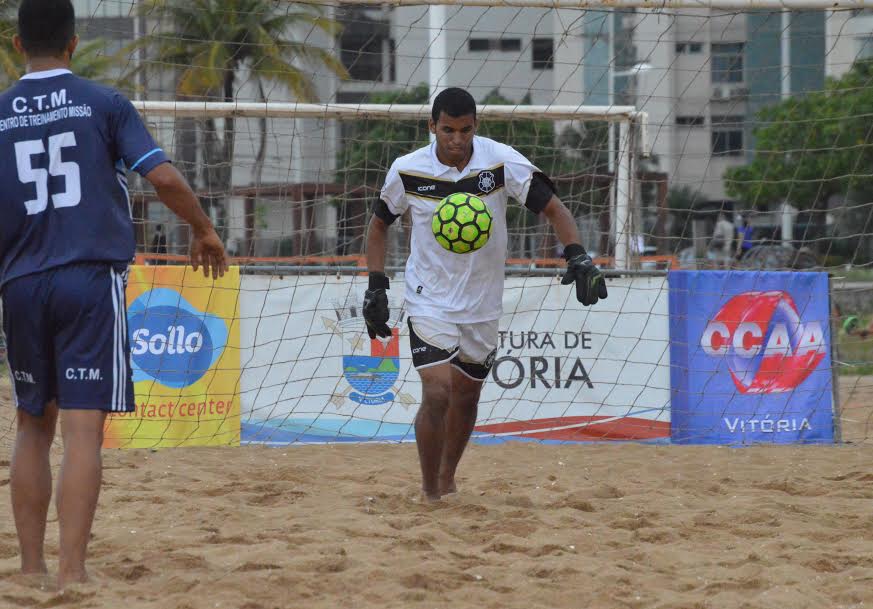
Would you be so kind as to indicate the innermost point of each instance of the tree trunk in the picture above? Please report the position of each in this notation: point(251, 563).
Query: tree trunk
point(186, 161)
point(249, 247)
point(819, 219)
point(257, 173)
point(218, 156)
point(229, 131)
point(662, 242)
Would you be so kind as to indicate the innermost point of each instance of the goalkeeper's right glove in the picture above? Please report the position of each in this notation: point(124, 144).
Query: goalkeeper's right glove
point(376, 306)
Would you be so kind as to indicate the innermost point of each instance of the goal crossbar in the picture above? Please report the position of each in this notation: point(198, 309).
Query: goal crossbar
point(374, 111)
point(742, 5)
point(632, 132)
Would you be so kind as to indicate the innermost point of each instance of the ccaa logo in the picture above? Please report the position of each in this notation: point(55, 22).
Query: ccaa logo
point(170, 340)
point(768, 348)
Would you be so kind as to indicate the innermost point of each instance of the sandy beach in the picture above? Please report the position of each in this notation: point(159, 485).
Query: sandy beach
point(570, 526)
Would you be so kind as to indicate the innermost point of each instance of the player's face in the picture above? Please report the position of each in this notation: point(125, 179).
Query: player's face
point(454, 137)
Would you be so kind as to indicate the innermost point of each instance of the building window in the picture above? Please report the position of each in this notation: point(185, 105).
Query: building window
point(727, 135)
point(727, 62)
point(366, 49)
point(493, 44)
point(690, 121)
point(865, 47)
point(692, 48)
point(542, 54)
point(510, 44)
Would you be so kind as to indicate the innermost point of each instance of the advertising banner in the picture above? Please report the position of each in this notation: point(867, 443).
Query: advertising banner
point(562, 372)
point(751, 357)
point(184, 341)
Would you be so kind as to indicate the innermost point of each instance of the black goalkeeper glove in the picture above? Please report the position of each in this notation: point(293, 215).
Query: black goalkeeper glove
point(376, 306)
point(590, 283)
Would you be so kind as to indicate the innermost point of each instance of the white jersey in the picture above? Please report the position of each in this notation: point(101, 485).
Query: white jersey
point(457, 288)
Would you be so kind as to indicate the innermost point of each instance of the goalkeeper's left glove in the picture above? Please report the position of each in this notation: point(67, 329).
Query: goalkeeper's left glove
point(590, 283)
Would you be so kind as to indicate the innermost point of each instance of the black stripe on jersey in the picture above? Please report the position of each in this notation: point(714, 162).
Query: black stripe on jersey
point(481, 183)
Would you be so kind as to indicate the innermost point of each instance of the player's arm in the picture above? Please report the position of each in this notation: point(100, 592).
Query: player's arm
point(562, 221)
point(529, 185)
point(377, 240)
point(590, 283)
point(206, 247)
point(375, 307)
point(386, 210)
point(135, 146)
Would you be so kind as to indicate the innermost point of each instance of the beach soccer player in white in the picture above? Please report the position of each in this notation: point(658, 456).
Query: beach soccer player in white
point(454, 292)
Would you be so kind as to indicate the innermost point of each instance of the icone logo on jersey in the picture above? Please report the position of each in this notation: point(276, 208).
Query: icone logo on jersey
point(170, 340)
point(768, 348)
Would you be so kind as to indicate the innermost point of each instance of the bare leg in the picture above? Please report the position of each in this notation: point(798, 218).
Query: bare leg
point(460, 420)
point(31, 484)
point(430, 426)
point(78, 489)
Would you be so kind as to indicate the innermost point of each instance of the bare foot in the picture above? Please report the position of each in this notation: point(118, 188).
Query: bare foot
point(448, 488)
point(37, 569)
point(430, 497)
point(66, 579)
point(35, 581)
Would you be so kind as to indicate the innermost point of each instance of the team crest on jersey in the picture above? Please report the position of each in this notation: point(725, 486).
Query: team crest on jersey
point(487, 183)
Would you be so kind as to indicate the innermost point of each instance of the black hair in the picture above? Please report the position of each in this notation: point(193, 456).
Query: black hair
point(46, 26)
point(453, 101)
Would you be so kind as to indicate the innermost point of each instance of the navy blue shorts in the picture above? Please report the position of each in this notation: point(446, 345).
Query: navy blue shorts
point(66, 335)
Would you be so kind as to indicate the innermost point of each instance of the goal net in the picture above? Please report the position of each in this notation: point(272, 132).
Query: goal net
point(691, 137)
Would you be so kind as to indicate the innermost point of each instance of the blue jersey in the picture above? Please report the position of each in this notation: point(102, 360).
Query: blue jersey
point(65, 147)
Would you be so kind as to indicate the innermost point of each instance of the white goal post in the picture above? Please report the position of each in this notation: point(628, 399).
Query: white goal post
point(653, 5)
point(631, 140)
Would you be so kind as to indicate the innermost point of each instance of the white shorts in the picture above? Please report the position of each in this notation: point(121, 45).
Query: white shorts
point(469, 347)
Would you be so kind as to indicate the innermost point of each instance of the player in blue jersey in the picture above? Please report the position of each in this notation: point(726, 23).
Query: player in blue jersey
point(66, 238)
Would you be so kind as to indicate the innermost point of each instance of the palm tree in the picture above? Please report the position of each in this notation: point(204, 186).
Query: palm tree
point(89, 60)
point(10, 64)
point(212, 41)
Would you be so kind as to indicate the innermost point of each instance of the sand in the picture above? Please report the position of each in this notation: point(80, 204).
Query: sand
point(534, 526)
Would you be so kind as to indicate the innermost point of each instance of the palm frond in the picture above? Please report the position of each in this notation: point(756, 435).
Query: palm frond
point(214, 38)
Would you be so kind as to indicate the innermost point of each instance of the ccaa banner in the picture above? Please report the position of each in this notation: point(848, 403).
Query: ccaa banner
point(184, 351)
point(750, 355)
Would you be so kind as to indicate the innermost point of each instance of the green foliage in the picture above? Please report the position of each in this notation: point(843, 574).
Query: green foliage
point(89, 60)
point(370, 146)
point(682, 198)
point(809, 148)
point(212, 40)
point(571, 152)
point(11, 63)
point(212, 43)
point(856, 352)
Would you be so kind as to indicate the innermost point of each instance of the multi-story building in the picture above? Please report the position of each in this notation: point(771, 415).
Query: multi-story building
point(701, 75)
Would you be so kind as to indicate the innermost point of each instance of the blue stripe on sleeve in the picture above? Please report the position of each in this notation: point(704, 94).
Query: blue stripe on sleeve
point(144, 157)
